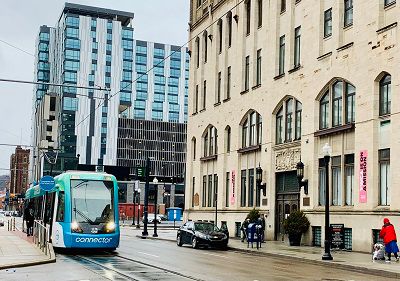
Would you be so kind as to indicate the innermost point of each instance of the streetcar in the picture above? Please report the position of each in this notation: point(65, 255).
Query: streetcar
point(81, 211)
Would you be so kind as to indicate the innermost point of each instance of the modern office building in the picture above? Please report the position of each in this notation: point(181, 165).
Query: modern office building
point(271, 82)
point(125, 80)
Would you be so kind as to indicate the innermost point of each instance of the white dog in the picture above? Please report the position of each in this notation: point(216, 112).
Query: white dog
point(379, 252)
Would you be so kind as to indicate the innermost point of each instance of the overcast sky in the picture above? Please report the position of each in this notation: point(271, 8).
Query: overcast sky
point(163, 21)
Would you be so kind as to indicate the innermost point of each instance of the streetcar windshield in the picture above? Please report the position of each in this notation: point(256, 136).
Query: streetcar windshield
point(92, 201)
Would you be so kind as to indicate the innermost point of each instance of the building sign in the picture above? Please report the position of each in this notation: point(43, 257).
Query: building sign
point(233, 183)
point(337, 236)
point(363, 177)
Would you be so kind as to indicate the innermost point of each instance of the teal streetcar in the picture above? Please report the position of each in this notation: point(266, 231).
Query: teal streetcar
point(82, 210)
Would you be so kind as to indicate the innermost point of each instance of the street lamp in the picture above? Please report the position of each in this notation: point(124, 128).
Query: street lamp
point(300, 176)
point(136, 191)
point(262, 187)
point(326, 150)
point(155, 182)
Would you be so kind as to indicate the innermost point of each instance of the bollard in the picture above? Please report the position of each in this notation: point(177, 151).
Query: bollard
point(13, 224)
point(8, 225)
point(174, 223)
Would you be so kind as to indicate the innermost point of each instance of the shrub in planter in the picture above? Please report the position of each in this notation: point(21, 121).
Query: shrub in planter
point(295, 225)
point(253, 215)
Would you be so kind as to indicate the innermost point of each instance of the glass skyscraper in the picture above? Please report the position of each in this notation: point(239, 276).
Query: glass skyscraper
point(125, 79)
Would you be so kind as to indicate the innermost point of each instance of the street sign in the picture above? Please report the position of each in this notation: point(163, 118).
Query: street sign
point(140, 171)
point(47, 183)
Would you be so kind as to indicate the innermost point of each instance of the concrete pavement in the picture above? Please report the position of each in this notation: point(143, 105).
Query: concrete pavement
point(17, 250)
point(354, 261)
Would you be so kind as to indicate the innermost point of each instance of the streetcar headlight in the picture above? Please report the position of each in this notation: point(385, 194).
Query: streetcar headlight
point(110, 226)
point(75, 226)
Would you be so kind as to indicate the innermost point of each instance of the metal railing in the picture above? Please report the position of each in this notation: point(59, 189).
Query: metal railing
point(40, 236)
point(11, 224)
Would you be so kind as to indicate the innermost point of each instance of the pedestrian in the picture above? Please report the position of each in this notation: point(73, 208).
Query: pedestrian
point(29, 218)
point(389, 238)
point(244, 226)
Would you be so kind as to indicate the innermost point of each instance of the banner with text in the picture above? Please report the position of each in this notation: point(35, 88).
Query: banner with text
point(363, 177)
point(233, 182)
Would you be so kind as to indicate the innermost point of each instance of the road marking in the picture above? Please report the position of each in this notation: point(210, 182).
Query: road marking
point(215, 255)
point(149, 255)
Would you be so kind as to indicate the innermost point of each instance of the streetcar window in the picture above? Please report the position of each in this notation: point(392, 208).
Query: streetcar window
point(60, 207)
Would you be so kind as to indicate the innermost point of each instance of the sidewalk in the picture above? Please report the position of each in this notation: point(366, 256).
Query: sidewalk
point(17, 250)
point(354, 261)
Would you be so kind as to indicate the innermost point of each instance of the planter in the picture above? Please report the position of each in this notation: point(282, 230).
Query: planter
point(294, 239)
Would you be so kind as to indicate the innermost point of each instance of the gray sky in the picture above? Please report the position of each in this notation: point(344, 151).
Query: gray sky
point(163, 21)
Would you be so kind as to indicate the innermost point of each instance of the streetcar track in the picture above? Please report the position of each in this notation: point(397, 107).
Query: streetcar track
point(105, 267)
point(87, 260)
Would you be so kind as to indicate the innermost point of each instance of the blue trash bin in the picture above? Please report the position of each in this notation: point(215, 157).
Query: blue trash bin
point(251, 231)
point(174, 214)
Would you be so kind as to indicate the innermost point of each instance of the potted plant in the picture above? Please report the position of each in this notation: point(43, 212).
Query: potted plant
point(295, 225)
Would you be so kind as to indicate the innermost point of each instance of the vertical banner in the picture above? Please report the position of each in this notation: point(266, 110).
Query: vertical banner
point(362, 198)
point(233, 183)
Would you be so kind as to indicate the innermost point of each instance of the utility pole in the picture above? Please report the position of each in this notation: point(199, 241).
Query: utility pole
point(146, 199)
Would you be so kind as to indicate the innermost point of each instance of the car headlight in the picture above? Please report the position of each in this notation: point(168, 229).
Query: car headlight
point(202, 235)
point(110, 226)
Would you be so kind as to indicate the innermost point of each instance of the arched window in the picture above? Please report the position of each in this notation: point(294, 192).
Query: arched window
point(339, 98)
point(219, 24)
point(205, 35)
point(385, 86)
point(210, 137)
point(252, 129)
point(197, 51)
point(248, 17)
point(194, 148)
point(288, 129)
point(229, 28)
point(228, 139)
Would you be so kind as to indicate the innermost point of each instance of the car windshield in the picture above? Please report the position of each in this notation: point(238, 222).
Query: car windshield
point(207, 227)
point(92, 201)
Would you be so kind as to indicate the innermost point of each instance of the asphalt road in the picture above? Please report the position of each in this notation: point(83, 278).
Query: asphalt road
point(139, 259)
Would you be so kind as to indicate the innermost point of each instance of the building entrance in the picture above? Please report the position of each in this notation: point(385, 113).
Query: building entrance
point(287, 199)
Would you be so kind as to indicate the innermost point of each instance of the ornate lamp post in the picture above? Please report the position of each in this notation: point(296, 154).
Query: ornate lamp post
point(327, 155)
point(300, 176)
point(155, 182)
point(262, 187)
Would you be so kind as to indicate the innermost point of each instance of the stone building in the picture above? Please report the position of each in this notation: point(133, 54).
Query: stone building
point(271, 82)
point(19, 170)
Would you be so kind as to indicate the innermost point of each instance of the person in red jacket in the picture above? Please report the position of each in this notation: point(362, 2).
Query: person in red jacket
point(389, 238)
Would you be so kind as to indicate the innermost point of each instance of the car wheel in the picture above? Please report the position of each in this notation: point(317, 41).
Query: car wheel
point(179, 241)
point(194, 243)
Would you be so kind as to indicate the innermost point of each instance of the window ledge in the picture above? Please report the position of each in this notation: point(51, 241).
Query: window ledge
point(290, 144)
point(324, 56)
point(344, 47)
point(202, 110)
point(385, 116)
point(217, 103)
point(248, 149)
point(348, 26)
point(294, 69)
point(209, 158)
point(326, 37)
point(334, 130)
point(282, 12)
point(390, 5)
point(386, 28)
point(227, 99)
point(256, 86)
point(195, 113)
point(244, 92)
point(279, 76)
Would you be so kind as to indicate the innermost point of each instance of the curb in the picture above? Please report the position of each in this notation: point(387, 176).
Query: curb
point(359, 269)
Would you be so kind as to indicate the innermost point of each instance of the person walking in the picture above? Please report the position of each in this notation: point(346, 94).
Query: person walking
point(389, 238)
point(29, 218)
point(245, 224)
